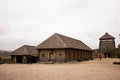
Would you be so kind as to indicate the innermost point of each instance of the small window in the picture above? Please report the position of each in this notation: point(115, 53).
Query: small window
point(60, 54)
point(43, 55)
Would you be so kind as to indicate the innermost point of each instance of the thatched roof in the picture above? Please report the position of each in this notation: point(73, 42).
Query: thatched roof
point(60, 41)
point(26, 50)
point(106, 36)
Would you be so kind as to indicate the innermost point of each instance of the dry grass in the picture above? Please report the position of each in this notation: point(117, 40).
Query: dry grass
point(88, 70)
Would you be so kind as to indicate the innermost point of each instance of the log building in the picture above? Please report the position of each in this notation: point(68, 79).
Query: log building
point(106, 45)
point(59, 48)
point(25, 54)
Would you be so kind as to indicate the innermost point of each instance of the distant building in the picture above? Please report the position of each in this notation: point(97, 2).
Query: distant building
point(107, 45)
point(61, 48)
point(5, 56)
point(25, 54)
point(95, 53)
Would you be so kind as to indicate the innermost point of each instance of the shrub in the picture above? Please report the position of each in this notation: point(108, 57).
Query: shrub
point(82, 59)
point(116, 63)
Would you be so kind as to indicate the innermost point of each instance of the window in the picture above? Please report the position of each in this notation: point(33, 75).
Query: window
point(43, 55)
point(60, 54)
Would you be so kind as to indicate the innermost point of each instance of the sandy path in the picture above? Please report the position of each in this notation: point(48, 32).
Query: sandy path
point(87, 70)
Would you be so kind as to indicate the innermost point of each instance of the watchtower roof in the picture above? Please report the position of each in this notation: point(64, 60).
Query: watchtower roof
point(106, 36)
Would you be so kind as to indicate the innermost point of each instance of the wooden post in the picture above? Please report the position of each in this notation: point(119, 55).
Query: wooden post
point(14, 59)
point(38, 55)
point(24, 60)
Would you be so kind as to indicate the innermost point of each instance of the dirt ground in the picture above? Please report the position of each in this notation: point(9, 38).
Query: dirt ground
point(87, 70)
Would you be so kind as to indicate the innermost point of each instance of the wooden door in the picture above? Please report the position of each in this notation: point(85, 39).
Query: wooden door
point(51, 56)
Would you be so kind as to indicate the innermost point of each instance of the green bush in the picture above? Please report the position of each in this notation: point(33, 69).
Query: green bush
point(82, 59)
point(116, 53)
point(79, 60)
point(118, 56)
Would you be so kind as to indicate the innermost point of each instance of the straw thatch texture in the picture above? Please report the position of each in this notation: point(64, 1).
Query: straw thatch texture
point(106, 36)
point(60, 41)
point(26, 50)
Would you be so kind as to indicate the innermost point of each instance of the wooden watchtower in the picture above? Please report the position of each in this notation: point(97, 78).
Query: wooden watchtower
point(106, 45)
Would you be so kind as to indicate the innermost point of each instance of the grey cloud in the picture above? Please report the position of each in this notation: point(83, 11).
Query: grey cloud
point(32, 21)
point(3, 30)
point(72, 5)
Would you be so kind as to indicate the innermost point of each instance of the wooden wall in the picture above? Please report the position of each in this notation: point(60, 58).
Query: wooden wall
point(75, 54)
point(58, 55)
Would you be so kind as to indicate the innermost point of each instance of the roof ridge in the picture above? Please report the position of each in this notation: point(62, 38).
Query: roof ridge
point(29, 45)
point(69, 37)
point(58, 35)
point(25, 49)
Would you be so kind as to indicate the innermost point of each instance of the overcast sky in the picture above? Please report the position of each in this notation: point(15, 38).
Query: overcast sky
point(32, 21)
